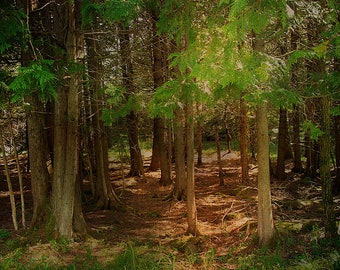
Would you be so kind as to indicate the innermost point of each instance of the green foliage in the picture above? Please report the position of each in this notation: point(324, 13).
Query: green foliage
point(142, 257)
point(4, 234)
point(120, 104)
point(37, 77)
point(310, 128)
point(176, 20)
point(13, 29)
point(89, 10)
point(165, 100)
point(120, 10)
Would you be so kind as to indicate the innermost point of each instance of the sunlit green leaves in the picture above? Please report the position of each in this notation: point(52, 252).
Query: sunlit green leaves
point(310, 128)
point(36, 77)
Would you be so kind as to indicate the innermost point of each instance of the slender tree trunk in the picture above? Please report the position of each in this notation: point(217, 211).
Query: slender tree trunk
point(219, 160)
point(199, 139)
point(191, 202)
point(296, 141)
point(325, 149)
point(282, 145)
point(165, 157)
point(265, 216)
point(244, 142)
point(22, 199)
point(180, 189)
point(337, 153)
point(156, 144)
point(9, 183)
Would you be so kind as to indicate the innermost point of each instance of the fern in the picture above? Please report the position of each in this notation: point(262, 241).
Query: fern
point(37, 77)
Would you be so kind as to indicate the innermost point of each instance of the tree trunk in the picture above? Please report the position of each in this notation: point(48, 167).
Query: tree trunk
point(219, 160)
point(37, 155)
point(22, 198)
point(36, 128)
point(296, 141)
point(180, 189)
point(156, 144)
point(199, 142)
point(136, 161)
point(337, 153)
point(104, 193)
point(191, 202)
point(265, 216)
point(282, 145)
point(244, 142)
point(66, 144)
point(325, 174)
point(165, 157)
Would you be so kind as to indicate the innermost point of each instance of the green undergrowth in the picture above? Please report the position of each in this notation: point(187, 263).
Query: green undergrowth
point(289, 250)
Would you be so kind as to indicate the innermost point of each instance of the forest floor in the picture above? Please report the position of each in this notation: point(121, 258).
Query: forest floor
point(152, 233)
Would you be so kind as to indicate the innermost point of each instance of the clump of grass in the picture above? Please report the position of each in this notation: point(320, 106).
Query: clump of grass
point(142, 257)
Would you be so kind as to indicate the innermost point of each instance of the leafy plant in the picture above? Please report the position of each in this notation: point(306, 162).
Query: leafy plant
point(38, 77)
point(4, 234)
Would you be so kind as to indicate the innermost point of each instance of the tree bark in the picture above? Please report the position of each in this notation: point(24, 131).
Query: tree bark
point(191, 202)
point(199, 140)
point(156, 144)
point(296, 141)
point(180, 189)
point(337, 153)
point(219, 160)
point(265, 216)
point(325, 174)
point(282, 145)
point(66, 137)
point(244, 142)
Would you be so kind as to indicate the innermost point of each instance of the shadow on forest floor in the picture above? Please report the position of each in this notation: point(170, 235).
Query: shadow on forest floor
point(152, 234)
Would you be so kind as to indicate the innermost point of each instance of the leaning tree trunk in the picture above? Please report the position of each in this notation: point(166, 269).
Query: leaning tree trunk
point(282, 145)
point(265, 216)
point(9, 182)
point(325, 174)
point(244, 142)
point(19, 169)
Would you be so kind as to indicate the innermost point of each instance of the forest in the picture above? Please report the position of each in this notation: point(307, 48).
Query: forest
point(169, 134)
